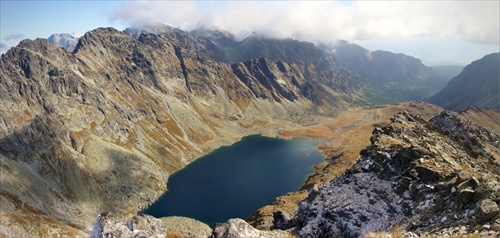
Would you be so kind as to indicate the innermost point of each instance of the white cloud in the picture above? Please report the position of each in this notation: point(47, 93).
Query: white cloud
point(10, 40)
point(474, 21)
point(325, 21)
point(14, 37)
point(3, 48)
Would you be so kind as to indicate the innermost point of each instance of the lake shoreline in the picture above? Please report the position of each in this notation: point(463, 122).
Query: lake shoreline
point(302, 147)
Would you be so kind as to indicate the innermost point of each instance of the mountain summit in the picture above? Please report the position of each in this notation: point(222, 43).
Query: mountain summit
point(64, 40)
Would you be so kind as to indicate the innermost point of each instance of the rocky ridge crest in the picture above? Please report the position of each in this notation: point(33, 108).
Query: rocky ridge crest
point(417, 176)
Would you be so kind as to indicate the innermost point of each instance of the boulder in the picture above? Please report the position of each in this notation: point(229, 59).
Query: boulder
point(486, 210)
point(236, 228)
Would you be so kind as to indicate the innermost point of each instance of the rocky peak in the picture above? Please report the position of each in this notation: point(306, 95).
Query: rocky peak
point(101, 38)
point(40, 46)
point(64, 40)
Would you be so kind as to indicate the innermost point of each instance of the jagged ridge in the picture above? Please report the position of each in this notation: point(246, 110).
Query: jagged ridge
point(102, 128)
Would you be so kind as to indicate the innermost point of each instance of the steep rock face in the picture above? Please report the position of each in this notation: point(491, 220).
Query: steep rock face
point(418, 176)
point(302, 57)
point(306, 58)
point(102, 128)
point(477, 85)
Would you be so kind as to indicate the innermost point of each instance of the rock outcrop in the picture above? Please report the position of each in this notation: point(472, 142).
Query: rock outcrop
point(238, 228)
point(107, 225)
point(417, 176)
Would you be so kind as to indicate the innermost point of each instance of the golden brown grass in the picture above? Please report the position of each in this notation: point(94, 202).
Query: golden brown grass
point(173, 235)
point(397, 233)
point(350, 132)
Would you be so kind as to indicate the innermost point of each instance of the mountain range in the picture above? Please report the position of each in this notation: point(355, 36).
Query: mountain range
point(387, 77)
point(101, 127)
point(402, 77)
point(477, 85)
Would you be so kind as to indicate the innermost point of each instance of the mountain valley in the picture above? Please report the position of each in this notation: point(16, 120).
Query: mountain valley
point(96, 131)
point(477, 85)
point(398, 77)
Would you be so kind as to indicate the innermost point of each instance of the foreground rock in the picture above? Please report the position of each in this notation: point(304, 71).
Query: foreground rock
point(238, 228)
point(416, 176)
point(147, 226)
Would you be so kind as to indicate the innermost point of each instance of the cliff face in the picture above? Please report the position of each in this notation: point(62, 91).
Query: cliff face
point(102, 128)
point(477, 85)
point(309, 61)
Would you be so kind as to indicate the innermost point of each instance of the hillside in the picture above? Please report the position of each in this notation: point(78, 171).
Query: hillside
point(477, 85)
point(420, 175)
point(397, 77)
point(101, 129)
point(424, 172)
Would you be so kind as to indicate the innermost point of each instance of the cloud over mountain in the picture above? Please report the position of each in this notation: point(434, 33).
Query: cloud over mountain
point(325, 21)
point(13, 37)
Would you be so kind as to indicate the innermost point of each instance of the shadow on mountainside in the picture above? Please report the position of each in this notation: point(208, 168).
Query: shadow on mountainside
point(43, 174)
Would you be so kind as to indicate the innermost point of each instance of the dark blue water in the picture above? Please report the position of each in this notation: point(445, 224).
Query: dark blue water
point(235, 181)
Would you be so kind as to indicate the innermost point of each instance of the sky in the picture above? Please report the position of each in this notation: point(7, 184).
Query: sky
point(437, 32)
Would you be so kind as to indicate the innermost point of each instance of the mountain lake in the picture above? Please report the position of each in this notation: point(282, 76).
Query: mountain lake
point(234, 181)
